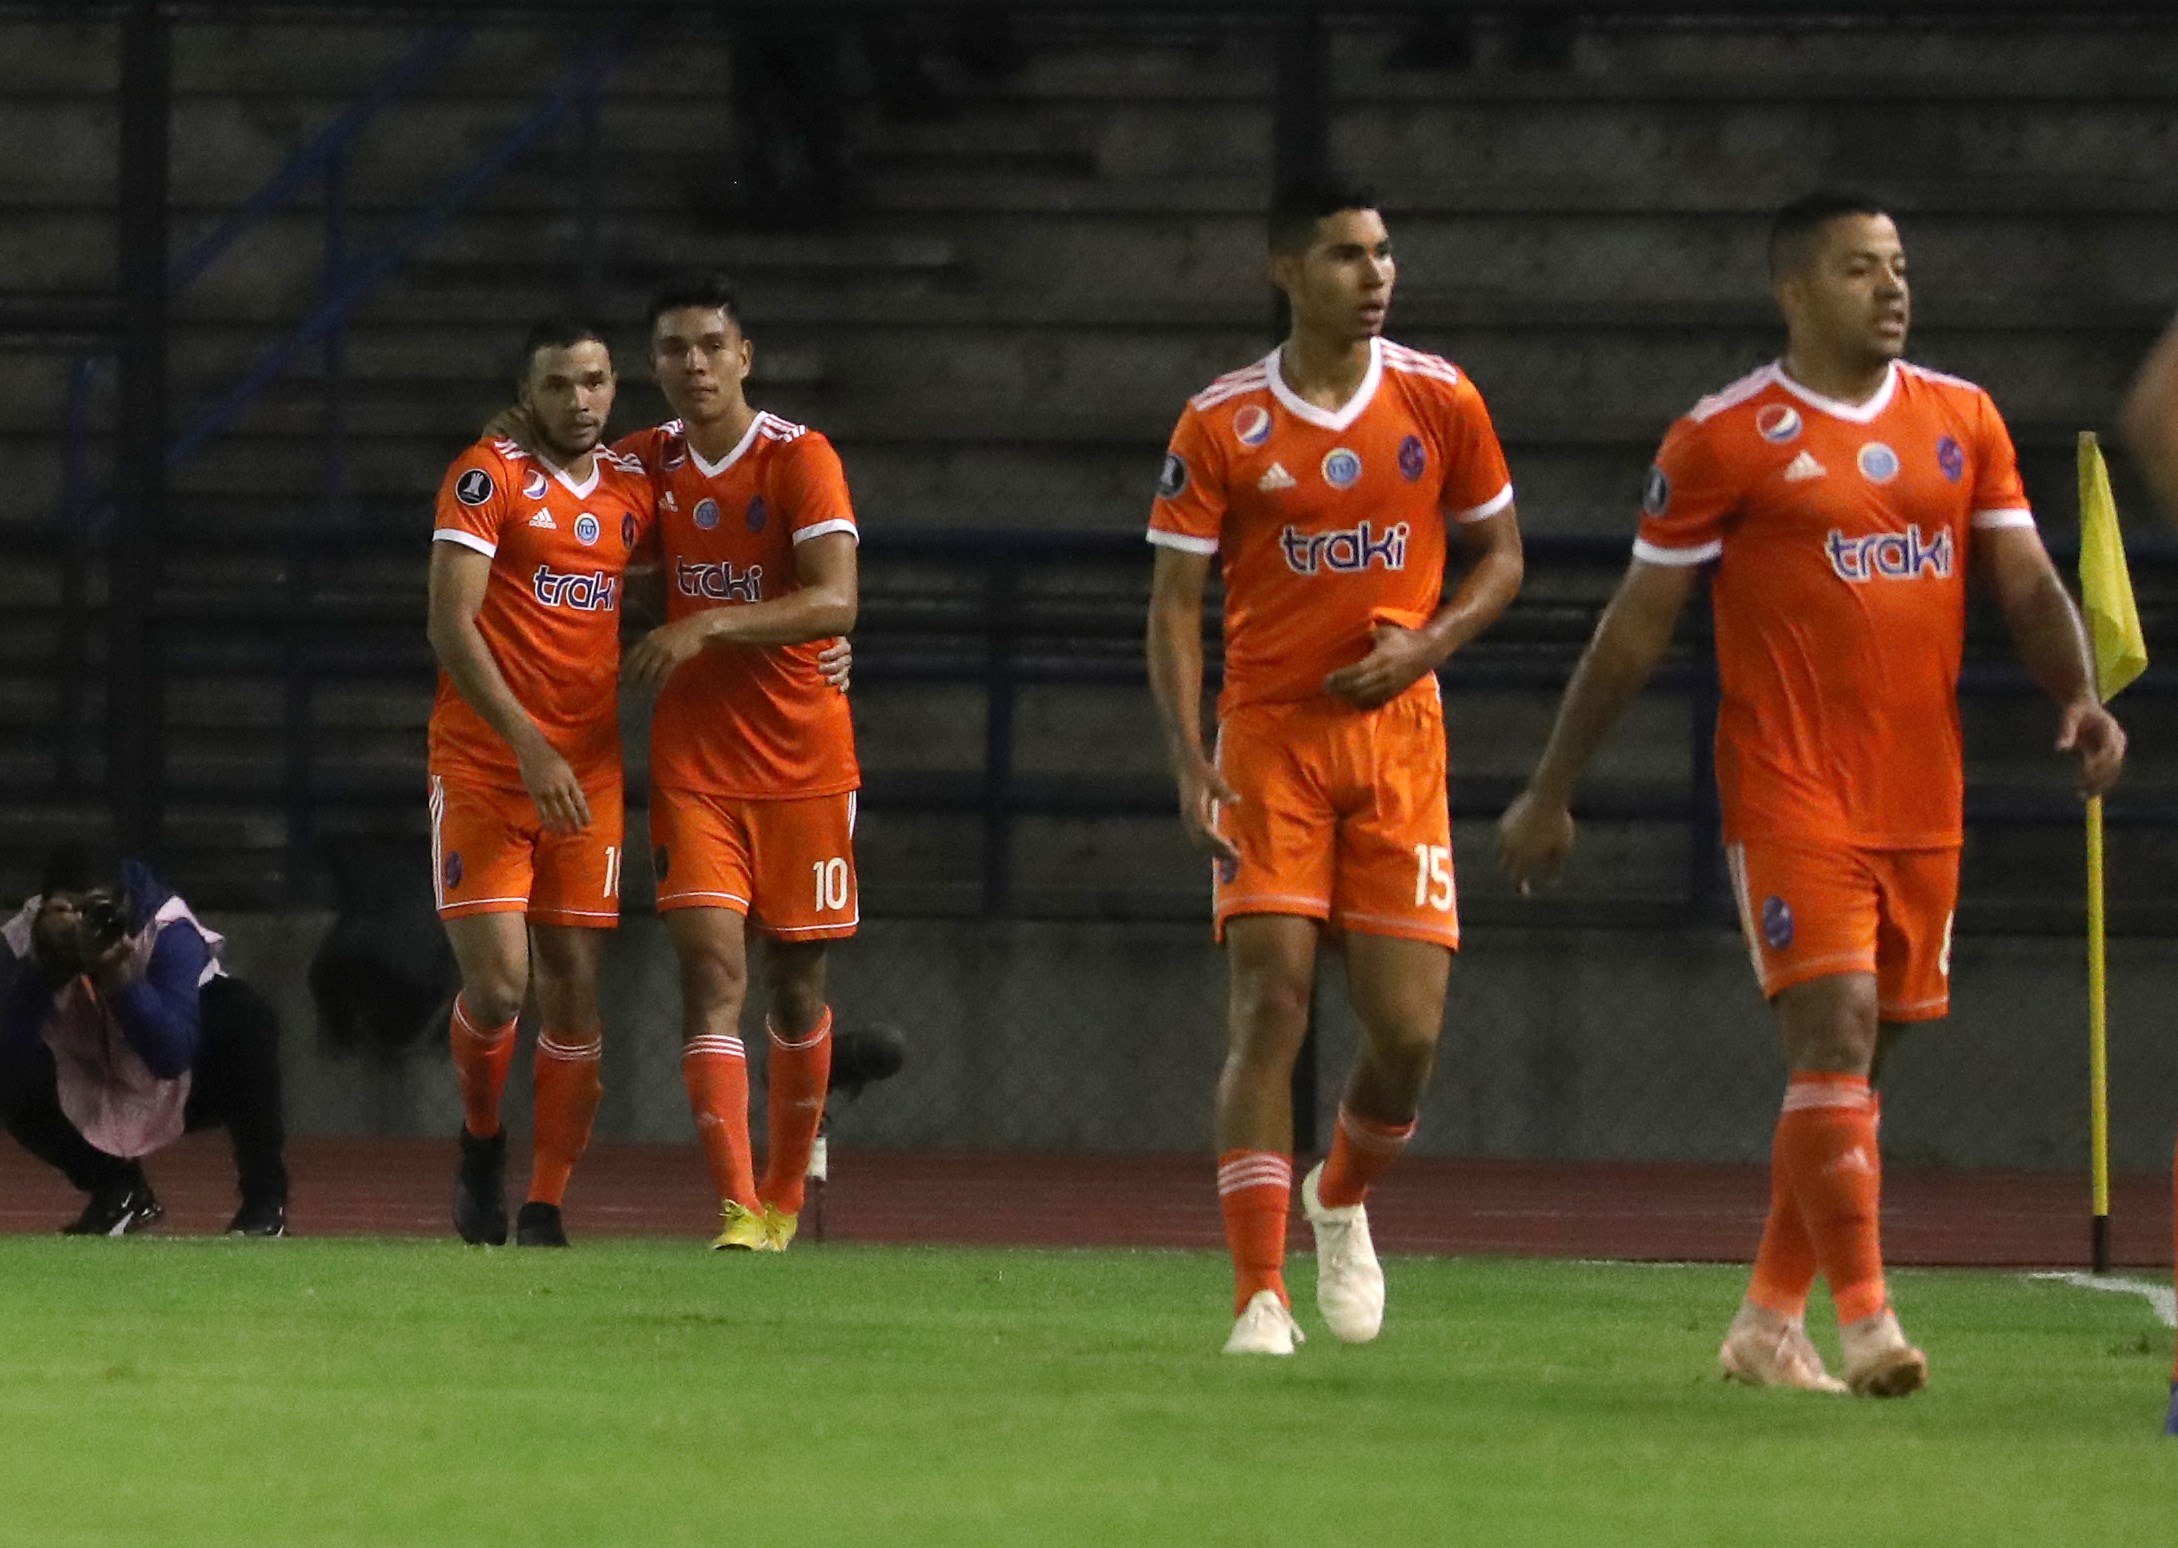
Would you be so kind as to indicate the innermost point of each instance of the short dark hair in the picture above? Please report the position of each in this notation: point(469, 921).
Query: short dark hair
point(556, 333)
point(712, 291)
point(1794, 228)
point(1300, 203)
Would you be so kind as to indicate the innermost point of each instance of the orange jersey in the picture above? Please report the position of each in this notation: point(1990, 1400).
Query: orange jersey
point(551, 613)
point(1325, 523)
point(1840, 535)
point(758, 724)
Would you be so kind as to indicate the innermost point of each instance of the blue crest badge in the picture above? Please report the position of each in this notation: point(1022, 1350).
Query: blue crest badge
point(705, 515)
point(586, 529)
point(1342, 467)
point(1951, 457)
point(1777, 923)
point(627, 532)
point(1412, 458)
point(1252, 425)
point(1878, 463)
point(757, 514)
point(451, 871)
point(1228, 871)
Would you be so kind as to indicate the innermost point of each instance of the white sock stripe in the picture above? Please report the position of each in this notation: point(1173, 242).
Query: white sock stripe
point(1363, 1136)
point(548, 1049)
point(490, 1037)
point(1243, 1184)
point(723, 1047)
point(823, 1031)
point(1262, 1170)
point(1801, 1097)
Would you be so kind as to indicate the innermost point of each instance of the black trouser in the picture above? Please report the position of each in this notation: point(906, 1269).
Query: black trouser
point(235, 1082)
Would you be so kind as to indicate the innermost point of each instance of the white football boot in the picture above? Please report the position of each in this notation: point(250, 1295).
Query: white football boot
point(1349, 1280)
point(1265, 1327)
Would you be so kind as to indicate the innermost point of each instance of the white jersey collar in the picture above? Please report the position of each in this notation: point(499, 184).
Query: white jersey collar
point(1855, 413)
point(1351, 410)
point(741, 448)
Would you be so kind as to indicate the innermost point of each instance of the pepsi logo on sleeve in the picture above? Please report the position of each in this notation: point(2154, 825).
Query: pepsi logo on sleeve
point(1777, 423)
point(1252, 425)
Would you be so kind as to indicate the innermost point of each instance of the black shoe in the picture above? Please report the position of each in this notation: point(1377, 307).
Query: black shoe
point(259, 1217)
point(480, 1191)
point(116, 1212)
point(538, 1225)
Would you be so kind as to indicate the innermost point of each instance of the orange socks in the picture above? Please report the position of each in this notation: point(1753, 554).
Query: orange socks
point(482, 1056)
point(1826, 1149)
point(568, 1090)
point(715, 1069)
point(1254, 1188)
point(795, 1082)
point(1360, 1150)
point(1784, 1268)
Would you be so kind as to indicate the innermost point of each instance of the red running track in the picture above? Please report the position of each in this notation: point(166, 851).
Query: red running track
point(353, 1187)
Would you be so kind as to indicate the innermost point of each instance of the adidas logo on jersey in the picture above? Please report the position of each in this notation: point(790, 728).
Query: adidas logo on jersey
point(1803, 467)
point(1277, 478)
point(544, 519)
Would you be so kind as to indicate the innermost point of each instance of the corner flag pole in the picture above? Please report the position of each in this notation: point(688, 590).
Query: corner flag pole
point(2121, 654)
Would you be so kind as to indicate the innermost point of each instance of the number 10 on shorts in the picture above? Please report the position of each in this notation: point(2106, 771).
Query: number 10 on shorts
point(1433, 877)
point(831, 881)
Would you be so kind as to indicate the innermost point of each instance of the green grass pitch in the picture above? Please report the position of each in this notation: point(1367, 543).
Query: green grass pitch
point(157, 1392)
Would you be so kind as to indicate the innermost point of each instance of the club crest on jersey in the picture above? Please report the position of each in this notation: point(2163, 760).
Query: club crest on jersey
point(1777, 923)
point(1342, 467)
point(1413, 459)
point(451, 870)
point(1172, 478)
point(1346, 552)
point(757, 515)
point(1907, 555)
point(705, 515)
point(628, 532)
point(1226, 871)
point(1777, 423)
point(722, 582)
point(1252, 425)
point(1656, 492)
point(474, 487)
point(1878, 463)
point(586, 529)
point(595, 592)
point(534, 486)
point(1951, 457)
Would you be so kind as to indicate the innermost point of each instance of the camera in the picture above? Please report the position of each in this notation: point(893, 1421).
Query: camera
point(105, 922)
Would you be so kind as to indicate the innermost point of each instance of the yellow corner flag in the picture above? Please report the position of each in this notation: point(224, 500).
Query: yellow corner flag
point(2121, 654)
point(2106, 588)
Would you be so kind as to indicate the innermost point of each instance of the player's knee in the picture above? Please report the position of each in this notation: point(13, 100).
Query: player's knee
point(1269, 1017)
point(714, 979)
point(493, 1003)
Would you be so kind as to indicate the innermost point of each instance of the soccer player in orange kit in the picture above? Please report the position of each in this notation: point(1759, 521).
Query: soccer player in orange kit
point(753, 768)
point(1839, 496)
point(528, 560)
point(1328, 480)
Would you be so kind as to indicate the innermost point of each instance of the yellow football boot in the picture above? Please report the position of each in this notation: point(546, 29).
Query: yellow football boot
point(741, 1229)
point(779, 1227)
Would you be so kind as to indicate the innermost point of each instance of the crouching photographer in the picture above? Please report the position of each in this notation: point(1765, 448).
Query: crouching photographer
point(119, 1031)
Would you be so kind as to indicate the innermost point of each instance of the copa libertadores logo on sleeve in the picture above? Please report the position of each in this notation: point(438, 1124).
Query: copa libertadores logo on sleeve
point(1172, 479)
point(474, 487)
point(1656, 492)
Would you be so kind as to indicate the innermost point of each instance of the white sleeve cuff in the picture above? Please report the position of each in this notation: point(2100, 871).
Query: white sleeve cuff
point(825, 528)
point(1678, 558)
point(2012, 516)
point(465, 539)
point(1487, 508)
point(1181, 541)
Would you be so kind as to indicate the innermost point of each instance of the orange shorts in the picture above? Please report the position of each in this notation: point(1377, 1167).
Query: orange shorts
point(490, 854)
point(1342, 817)
point(788, 865)
point(1810, 912)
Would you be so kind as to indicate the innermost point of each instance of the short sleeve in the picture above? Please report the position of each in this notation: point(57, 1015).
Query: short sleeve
point(813, 488)
point(2000, 498)
point(1686, 502)
point(472, 501)
point(1477, 483)
point(1189, 511)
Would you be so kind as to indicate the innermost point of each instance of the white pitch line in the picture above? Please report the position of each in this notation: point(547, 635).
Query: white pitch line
point(2160, 1297)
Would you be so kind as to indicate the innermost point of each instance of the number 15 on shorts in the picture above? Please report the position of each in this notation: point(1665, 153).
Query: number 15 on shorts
point(1433, 877)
